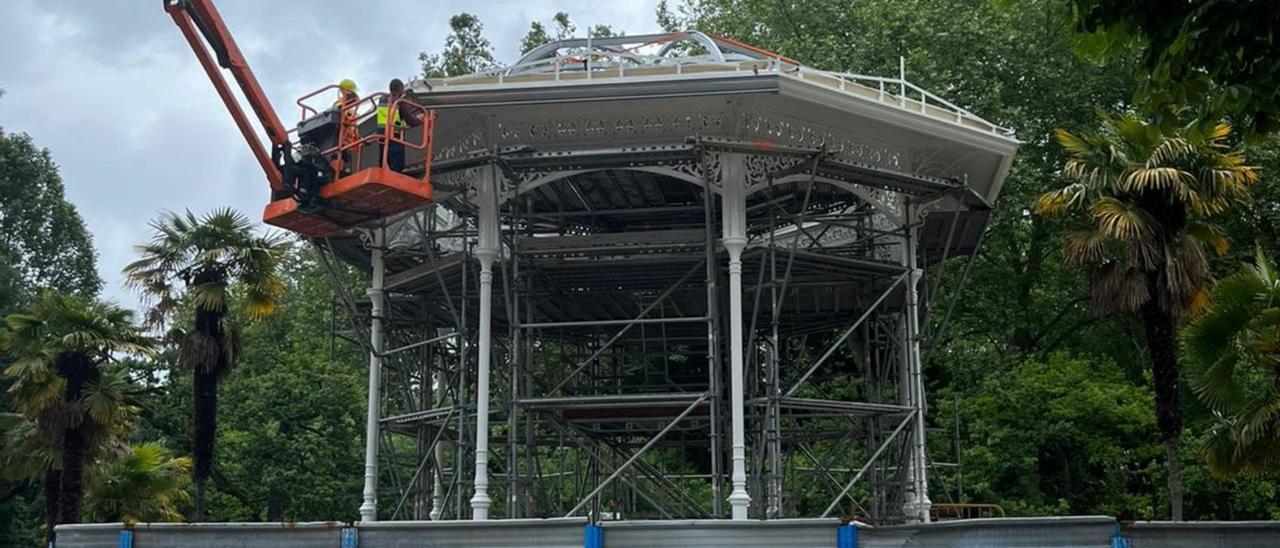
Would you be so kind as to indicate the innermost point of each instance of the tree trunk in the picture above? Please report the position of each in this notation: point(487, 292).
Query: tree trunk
point(52, 484)
point(204, 433)
point(72, 489)
point(1162, 352)
point(199, 500)
point(78, 372)
point(1175, 478)
point(204, 416)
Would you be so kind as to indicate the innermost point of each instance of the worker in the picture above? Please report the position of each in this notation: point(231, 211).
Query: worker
point(401, 114)
point(301, 175)
point(348, 130)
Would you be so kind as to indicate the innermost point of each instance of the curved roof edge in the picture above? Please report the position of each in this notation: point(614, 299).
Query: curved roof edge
point(691, 54)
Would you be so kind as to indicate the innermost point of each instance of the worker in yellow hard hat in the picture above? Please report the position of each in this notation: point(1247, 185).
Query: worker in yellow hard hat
point(348, 129)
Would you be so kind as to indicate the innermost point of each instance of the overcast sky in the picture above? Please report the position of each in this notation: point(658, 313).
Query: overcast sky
point(112, 89)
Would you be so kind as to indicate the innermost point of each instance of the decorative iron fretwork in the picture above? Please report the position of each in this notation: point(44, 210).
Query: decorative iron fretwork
point(710, 159)
point(462, 180)
point(803, 135)
point(761, 166)
point(607, 126)
point(462, 145)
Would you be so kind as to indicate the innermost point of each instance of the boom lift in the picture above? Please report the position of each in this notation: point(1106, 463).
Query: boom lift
point(324, 182)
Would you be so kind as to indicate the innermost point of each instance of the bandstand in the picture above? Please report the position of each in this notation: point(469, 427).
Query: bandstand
point(670, 290)
point(666, 277)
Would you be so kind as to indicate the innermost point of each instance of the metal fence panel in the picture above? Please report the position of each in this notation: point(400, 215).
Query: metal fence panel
point(783, 533)
point(498, 533)
point(199, 535)
point(1064, 532)
point(92, 535)
point(1205, 534)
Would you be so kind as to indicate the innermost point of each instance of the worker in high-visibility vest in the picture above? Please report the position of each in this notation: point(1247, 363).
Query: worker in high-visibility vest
point(400, 115)
point(349, 130)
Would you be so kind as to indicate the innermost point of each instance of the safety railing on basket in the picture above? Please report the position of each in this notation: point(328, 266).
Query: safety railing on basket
point(350, 146)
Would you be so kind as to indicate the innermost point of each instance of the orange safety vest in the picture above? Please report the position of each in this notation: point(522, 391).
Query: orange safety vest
point(347, 102)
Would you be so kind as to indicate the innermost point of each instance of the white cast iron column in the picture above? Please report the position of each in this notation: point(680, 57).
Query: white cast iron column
point(369, 508)
point(733, 208)
point(437, 486)
point(486, 253)
point(917, 504)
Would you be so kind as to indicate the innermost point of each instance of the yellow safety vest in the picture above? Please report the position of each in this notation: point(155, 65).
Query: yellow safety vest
point(382, 116)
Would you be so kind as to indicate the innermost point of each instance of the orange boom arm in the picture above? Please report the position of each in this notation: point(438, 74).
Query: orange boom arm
point(198, 18)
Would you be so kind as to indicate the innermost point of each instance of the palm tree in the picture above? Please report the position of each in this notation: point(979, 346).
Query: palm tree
point(142, 483)
point(1234, 351)
point(198, 261)
point(64, 388)
point(1143, 200)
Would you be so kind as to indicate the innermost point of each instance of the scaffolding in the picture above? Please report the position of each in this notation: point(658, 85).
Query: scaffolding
point(665, 277)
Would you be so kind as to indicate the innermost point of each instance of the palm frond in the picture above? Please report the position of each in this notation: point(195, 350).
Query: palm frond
point(1234, 351)
point(1169, 151)
point(1115, 288)
point(1086, 245)
point(1122, 220)
point(105, 397)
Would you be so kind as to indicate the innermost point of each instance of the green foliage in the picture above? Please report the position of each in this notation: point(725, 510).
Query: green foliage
point(1083, 448)
point(141, 483)
point(43, 241)
point(538, 34)
point(1215, 57)
point(73, 402)
point(466, 50)
point(59, 329)
point(290, 443)
point(43, 245)
point(1235, 351)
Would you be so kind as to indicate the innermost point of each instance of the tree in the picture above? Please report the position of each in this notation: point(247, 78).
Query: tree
point(1082, 450)
point(43, 244)
point(197, 260)
point(1234, 349)
point(538, 35)
point(603, 31)
point(466, 50)
point(62, 385)
point(142, 483)
point(1144, 200)
point(43, 241)
point(292, 386)
point(1216, 56)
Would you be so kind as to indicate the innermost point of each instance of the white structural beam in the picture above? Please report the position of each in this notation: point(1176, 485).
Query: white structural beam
point(487, 252)
point(916, 503)
point(369, 508)
point(734, 213)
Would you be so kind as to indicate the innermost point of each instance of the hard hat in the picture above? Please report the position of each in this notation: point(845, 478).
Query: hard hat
point(347, 84)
